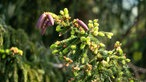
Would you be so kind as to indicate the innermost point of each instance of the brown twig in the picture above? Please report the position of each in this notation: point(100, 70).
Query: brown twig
point(136, 22)
point(137, 70)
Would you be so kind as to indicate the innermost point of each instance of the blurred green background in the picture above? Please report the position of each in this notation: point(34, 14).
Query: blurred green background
point(125, 18)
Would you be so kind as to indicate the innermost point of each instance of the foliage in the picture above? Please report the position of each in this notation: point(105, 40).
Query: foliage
point(83, 52)
point(33, 65)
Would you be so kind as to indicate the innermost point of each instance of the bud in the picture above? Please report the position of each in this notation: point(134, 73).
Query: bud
point(110, 52)
point(88, 67)
point(82, 60)
point(96, 51)
point(90, 25)
point(116, 57)
point(120, 50)
point(123, 62)
point(60, 53)
point(96, 29)
point(73, 47)
point(14, 50)
point(57, 42)
point(83, 39)
point(67, 16)
point(90, 21)
point(65, 50)
point(65, 11)
point(58, 28)
point(88, 40)
point(113, 76)
point(72, 32)
point(53, 46)
point(132, 80)
point(54, 51)
point(107, 59)
point(102, 45)
point(105, 63)
point(117, 44)
point(61, 12)
point(118, 79)
point(67, 59)
point(128, 60)
point(94, 45)
point(89, 73)
point(95, 20)
point(73, 51)
point(121, 73)
point(96, 24)
point(99, 56)
point(2, 51)
point(75, 68)
point(72, 36)
point(7, 51)
point(109, 35)
point(82, 31)
point(20, 52)
point(95, 33)
point(101, 34)
point(82, 46)
point(75, 73)
point(84, 55)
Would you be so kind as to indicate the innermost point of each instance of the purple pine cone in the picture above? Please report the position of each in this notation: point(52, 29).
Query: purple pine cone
point(82, 24)
point(43, 30)
point(51, 20)
point(44, 21)
point(41, 20)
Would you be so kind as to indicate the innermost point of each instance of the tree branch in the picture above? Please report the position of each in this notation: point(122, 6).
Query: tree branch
point(137, 69)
